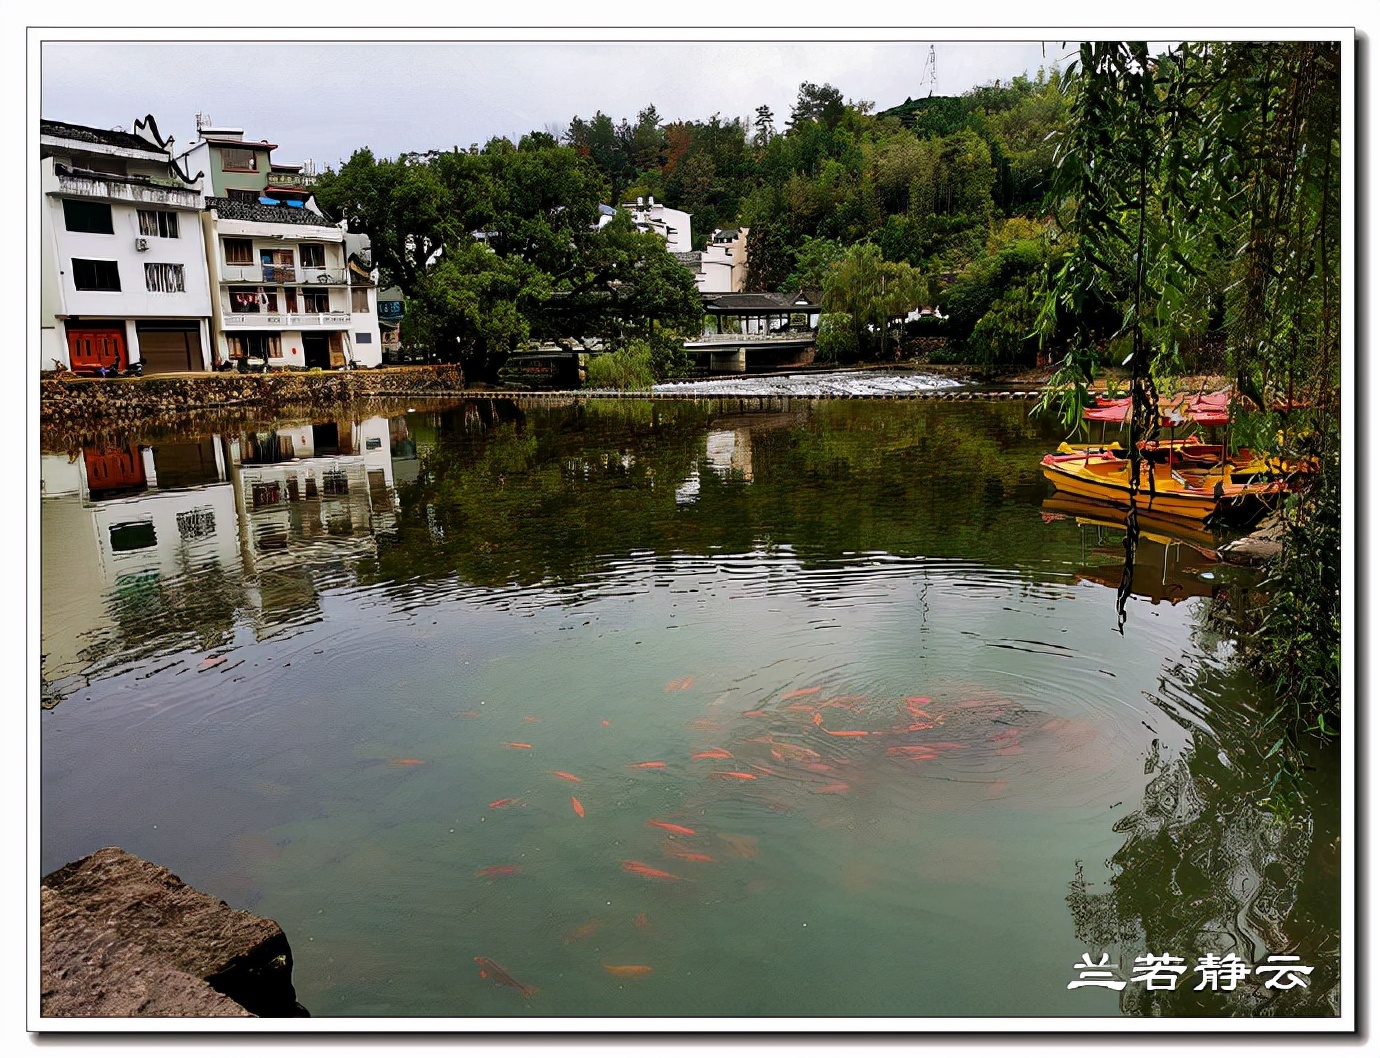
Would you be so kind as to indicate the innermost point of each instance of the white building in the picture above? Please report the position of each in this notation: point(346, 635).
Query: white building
point(673, 225)
point(723, 263)
point(288, 284)
point(123, 261)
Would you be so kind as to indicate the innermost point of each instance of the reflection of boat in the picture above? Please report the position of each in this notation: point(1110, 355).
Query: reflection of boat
point(1181, 492)
point(1154, 526)
point(1160, 572)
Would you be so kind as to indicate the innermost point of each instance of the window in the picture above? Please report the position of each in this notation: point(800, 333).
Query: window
point(87, 216)
point(364, 338)
point(165, 278)
point(132, 536)
point(159, 222)
point(316, 301)
point(241, 194)
point(359, 299)
point(313, 255)
point(239, 251)
point(246, 299)
point(239, 160)
point(334, 483)
point(95, 275)
point(255, 345)
point(196, 523)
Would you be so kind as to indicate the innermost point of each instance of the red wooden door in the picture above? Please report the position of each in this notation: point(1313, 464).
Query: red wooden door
point(92, 348)
point(117, 468)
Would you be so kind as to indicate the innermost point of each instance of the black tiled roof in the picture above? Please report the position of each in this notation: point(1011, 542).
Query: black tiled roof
point(87, 134)
point(228, 209)
point(767, 301)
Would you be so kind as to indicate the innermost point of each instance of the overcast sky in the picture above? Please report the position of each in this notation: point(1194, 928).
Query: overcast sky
point(323, 100)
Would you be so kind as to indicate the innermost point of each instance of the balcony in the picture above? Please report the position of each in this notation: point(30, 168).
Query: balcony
point(121, 190)
point(274, 275)
point(277, 321)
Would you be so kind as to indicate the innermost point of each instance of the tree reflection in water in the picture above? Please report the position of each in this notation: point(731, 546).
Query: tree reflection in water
point(1213, 863)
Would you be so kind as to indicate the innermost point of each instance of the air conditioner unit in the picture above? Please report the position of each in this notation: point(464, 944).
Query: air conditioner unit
point(141, 243)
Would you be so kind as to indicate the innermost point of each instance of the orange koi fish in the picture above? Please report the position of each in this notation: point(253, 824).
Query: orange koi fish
point(681, 684)
point(498, 871)
point(583, 932)
point(847, 734)
point(790, 751)
point(518, 745)
point(712, 754)
point(603, 723)
point(628, 971)
point(800, 693)
point(674, 828)
point(531, 720)
point(407, 762)
point(734, 774)
point(1015, 749)
point(579, 808)
point(916, 700)
point(800, 708)
point(919, 725)
point(815, 765)
point(640, 920)
point(754, 712)
point(211, 663)
point(833, 787)
point(913, 752)
point(468, 714)
point(490, 969)
point(566, 776)
point(669, 848)
point(649, 764)
point(507, 802)
point(650, 872)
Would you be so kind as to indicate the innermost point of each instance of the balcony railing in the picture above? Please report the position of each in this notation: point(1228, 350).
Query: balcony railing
point(279, 274)
point(149, 194)
point(276, 321)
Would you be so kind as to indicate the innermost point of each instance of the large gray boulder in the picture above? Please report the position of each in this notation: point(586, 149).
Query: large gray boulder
point(123, 937)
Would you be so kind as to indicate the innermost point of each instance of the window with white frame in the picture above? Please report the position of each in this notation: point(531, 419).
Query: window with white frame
point(313, 254)
point(165, 278)
point(359, 299)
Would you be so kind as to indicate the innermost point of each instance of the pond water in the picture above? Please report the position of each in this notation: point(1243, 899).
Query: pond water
point(727, 708)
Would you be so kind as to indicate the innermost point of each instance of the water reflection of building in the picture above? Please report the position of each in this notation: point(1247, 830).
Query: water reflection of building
point(310, 498)
point(128, 535)
point(178, 540)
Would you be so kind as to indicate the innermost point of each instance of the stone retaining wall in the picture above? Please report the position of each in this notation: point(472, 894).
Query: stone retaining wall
point(65, 401)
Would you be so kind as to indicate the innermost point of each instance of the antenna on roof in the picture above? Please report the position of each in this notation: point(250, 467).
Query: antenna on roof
point(203, 121)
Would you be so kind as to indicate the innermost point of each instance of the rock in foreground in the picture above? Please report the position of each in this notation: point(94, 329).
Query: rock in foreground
point(123, 937)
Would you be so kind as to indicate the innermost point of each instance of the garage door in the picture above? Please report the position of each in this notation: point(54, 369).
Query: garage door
point(168, 347)
point(92, 348)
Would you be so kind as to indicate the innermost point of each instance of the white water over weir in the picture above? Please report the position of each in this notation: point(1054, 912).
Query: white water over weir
point(815, 384)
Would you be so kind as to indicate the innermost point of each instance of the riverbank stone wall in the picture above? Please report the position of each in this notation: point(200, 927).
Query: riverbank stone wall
point(79, 401)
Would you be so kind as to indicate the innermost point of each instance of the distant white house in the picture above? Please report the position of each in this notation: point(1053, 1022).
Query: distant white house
point(648, 214)
point(123, 261)
point(723, 263)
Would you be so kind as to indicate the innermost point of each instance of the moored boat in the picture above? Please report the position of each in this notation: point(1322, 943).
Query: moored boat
point(1218, 493)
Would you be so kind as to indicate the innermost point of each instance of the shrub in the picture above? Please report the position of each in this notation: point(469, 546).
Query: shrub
point(628, 368)
point(835, 339)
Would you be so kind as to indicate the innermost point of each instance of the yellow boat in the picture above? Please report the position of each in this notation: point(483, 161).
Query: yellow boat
point(1220, 493)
